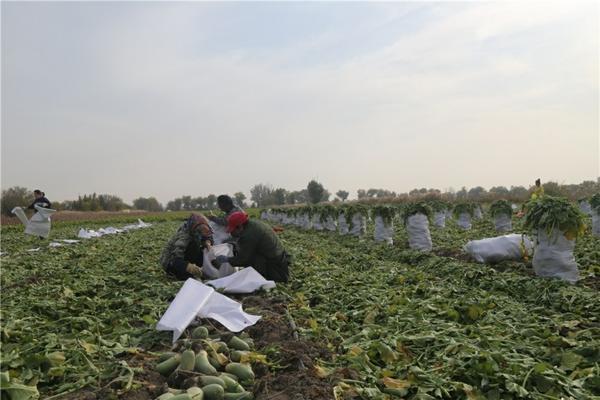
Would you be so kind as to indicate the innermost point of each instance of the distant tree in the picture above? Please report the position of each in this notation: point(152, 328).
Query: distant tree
point(186, 202)
point(239, 199)
point(499, 191)
point(174, 205)
point(279, 196)
point(147, 204)
point(461, 194)
point(518, 193)
point(15, 196)
point(316, 192)
point(211, 201)
point(261, 194)
point(361, 194)
point(109, 202)
point(413, 192)
point(553, 189)
point(476, 193)
point(342, 195)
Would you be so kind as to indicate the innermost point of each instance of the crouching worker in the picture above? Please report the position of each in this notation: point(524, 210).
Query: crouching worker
point(183, 256)
point(258, 247)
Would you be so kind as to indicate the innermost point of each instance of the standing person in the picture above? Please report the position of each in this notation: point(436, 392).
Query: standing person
point(40, 200)
point(226, 205)
point(258, 247)
point(183, 255)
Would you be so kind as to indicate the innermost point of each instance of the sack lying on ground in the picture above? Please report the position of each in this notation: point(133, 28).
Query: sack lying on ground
point(512, 247)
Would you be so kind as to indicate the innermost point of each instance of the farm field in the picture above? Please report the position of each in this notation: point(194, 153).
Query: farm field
point(373, 321)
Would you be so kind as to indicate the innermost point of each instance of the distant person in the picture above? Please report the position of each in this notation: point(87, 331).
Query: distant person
point(183, 256)
point(258, 247)
point(226, 205)
point(40, 200)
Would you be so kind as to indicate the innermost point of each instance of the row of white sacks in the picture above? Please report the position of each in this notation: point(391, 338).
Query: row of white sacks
point(417, 225)
point(552, 254)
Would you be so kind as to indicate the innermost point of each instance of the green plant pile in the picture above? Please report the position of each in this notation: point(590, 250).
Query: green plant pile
point(549, 213)
point(386, 213)
point(420, 207)
point(463, 208)
point(500, 207)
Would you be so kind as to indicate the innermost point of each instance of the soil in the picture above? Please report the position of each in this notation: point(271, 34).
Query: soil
point(295, 377)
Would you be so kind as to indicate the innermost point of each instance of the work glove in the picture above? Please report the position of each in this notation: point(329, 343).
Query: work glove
point(193, 269)
point(220, 260)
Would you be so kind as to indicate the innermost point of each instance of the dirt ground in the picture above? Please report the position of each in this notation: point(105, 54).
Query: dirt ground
point(294, 379)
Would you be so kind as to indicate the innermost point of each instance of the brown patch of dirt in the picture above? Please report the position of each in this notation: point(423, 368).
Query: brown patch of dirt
point(452, 253)
point(297, 379)
point(592, 282)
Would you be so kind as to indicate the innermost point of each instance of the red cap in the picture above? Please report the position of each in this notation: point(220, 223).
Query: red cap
point(236, 219)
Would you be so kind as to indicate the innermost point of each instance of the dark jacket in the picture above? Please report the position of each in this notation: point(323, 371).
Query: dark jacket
point(42, 202)
point(186, 246)
point(259, 247)
point(223, 220)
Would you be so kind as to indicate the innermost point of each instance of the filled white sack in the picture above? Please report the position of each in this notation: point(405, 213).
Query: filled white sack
point(501, 248)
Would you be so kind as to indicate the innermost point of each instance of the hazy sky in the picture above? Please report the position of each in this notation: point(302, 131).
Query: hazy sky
point(166, 99)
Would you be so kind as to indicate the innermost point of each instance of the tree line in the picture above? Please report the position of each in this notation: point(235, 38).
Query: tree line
point(264, 195)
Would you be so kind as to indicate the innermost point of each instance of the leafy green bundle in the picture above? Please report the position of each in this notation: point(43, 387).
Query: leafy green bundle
point(462, 208)
point(420, 207)
point(500, 207)
point(386, 213)
point(549, 213)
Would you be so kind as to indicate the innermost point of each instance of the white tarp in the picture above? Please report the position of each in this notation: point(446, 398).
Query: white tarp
point(439, 219)
point(209, 270)
point(554, 258)
point(359, 225)
point(384, 232)
point(90, 233)
point(39, 224)
point(503, 222)
point(248, 280)
point(464, 221)
point(196, 299)
point(501, 248)
point(419, 237)
point(343, 228)
point(595, 223)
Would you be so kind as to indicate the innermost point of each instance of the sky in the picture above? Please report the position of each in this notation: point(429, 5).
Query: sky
point(168, 99)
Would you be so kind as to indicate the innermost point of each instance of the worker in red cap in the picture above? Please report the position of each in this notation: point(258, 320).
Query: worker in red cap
point(258, 247)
